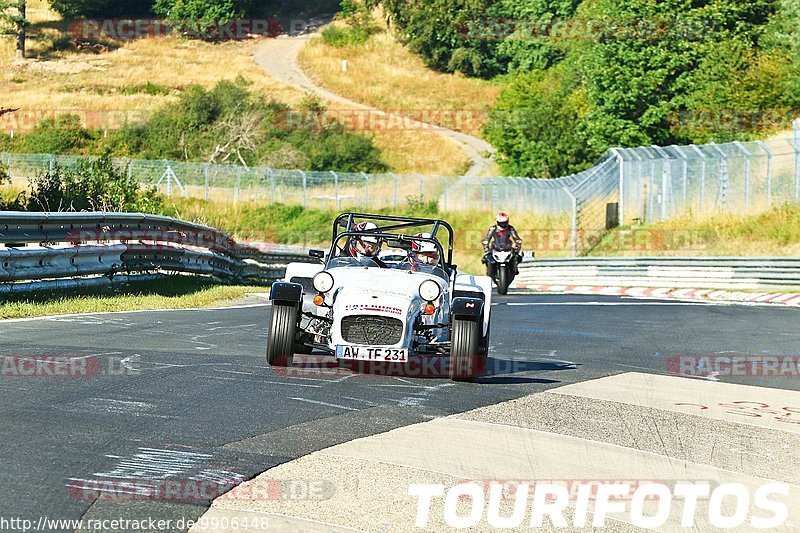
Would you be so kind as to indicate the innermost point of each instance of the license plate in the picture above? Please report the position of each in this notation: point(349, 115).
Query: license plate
point(371, 353)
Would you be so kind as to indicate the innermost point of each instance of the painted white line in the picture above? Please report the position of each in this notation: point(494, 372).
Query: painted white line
point(266, 382)
point(137, 311)
point(325, 404)
point(373, 404)
point(619, 304)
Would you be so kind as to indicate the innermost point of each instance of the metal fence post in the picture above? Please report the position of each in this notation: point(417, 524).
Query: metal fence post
point(796, 137)
point(305, 189)
point(205, 179)
point(574, 229)
point(366, 189)
point(746, 173)
point(769, 170)
point(271, 177)
point(336, 188)
point(395, 189)
point(684, 174)
point(621, 163)
point(52, 165)
point(238, 185)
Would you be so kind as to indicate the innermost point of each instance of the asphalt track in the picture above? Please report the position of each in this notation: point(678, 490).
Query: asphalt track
point(186, 394)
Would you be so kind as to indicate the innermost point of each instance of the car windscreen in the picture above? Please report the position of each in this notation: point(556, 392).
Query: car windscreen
point(424, 269)
point(338, 262)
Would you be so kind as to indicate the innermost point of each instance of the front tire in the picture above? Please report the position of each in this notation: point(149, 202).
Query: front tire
point(503, 281)
point(282, 331)
point(464, 358)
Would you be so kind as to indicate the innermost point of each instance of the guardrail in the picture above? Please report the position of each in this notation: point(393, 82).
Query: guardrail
point(91, 249)
point(665, 272)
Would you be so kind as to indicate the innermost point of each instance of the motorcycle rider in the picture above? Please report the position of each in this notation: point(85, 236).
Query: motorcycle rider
point(502, 237)
point(367, 246)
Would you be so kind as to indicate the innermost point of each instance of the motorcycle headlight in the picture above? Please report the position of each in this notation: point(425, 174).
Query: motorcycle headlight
point(429, 290)
point(323, 282)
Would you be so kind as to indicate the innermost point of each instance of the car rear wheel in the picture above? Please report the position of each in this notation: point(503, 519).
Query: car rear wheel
point(282, 331)
point(464, 358)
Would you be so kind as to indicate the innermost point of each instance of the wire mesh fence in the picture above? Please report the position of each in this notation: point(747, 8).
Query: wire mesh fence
point(627, 186)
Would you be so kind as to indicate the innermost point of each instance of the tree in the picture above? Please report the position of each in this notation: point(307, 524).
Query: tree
point(18, 18)
point(204, 9)
point(101, 8)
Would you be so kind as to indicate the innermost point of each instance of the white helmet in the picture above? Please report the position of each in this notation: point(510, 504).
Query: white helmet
point(424, 252)
point(368, 245)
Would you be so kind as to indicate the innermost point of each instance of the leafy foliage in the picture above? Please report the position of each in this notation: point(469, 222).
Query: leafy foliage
point(590, 74)
point(203, 9)
point(227, 124)
point(101, 8)
point(94, 185)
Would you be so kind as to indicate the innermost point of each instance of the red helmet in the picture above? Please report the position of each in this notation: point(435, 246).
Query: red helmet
point(502, 219)
point(368, 245)
point(424, 252)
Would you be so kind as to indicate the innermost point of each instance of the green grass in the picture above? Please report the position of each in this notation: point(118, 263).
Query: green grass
point(292, 224)
point(178, 292)
point(775, 232)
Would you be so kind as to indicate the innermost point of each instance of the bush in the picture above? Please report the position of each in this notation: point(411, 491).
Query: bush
point(101, 8)
point(341, 37)
point(227, 124)
point(60, 135)
point(94, 185)
point(360, 25)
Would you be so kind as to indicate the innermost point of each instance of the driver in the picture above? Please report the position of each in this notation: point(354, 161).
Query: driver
point(367, 246)
point(422, 253)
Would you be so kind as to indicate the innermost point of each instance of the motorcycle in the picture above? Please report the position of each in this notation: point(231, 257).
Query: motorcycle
point(501, 266)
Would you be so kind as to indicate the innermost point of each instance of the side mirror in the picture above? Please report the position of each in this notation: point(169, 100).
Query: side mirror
point(318, 254)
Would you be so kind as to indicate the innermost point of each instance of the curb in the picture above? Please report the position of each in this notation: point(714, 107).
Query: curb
point(771, 298)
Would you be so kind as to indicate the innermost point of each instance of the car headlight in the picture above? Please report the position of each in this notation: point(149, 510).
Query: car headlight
point(429, 290)
point(323, 282)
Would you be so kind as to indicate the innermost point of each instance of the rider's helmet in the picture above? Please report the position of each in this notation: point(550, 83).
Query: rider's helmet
point(424, 252)
point(366, 246)
point(502, 220)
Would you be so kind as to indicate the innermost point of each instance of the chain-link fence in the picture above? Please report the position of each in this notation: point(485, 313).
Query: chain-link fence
point(740, 177)
point(627, 186)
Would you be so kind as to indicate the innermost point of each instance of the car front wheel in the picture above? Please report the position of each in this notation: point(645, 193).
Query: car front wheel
point(465, 361)
point(282, 331)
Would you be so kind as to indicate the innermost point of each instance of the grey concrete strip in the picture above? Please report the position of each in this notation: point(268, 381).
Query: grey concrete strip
point(741, 404)
point(742, 448)
point(308, 437)
point(372, 475)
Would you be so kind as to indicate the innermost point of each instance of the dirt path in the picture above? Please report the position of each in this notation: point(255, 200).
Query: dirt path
point(278, 57)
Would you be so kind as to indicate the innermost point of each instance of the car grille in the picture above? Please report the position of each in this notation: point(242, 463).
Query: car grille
point(372, 330)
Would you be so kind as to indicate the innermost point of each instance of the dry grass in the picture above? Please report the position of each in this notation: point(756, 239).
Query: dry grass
point(414, 152)
point(53, 82)
point(83, 83)
point(384, 74)
point(772, 233)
